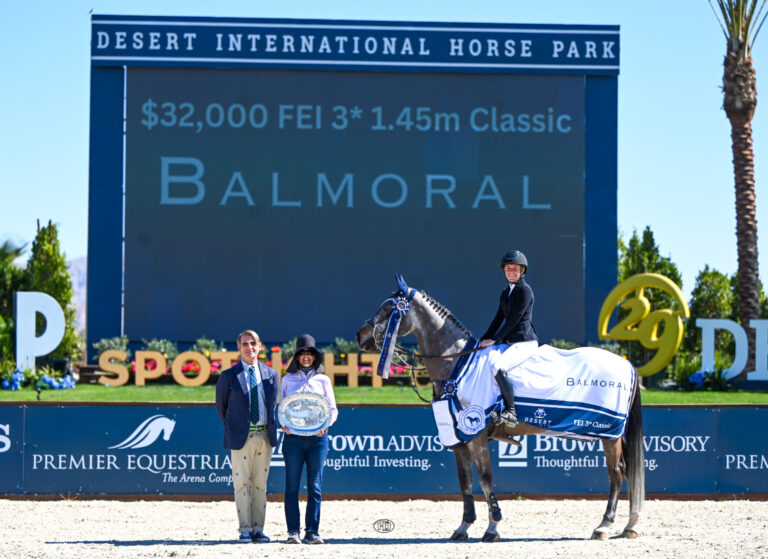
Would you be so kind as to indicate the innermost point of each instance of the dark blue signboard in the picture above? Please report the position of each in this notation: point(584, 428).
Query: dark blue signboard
point(681, 456)
point(354, 45)
point(742, 460)
point(11, 449)
point(177, 450)
point(253, 160)
point(124, 450)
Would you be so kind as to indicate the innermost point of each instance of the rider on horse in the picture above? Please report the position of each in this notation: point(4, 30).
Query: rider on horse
point(512, 323)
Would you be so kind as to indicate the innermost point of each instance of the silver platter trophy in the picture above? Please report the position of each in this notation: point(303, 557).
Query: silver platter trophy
point(304, 413)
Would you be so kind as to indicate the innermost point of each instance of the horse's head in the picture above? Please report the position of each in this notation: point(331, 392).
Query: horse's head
point(371, 336)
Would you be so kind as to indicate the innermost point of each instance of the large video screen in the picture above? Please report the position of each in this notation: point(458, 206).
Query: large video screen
point(286, 200)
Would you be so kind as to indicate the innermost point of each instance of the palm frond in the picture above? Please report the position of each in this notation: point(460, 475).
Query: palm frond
point(718, 18)
point(760, 25)
point(740, 21)
point(10, 251)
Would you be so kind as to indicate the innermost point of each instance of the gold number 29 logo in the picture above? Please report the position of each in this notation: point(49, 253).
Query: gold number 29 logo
point(642, 325)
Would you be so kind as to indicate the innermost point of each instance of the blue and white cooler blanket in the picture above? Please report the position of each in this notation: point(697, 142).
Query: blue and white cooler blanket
point(583, 393)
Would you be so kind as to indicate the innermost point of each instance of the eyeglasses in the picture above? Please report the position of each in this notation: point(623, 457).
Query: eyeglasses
point(306, 352)
point(252, 344)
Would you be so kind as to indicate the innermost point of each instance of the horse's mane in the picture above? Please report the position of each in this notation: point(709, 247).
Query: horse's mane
point(442, 312)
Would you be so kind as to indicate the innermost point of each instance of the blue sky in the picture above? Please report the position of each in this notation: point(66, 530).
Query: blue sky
point(675, 169)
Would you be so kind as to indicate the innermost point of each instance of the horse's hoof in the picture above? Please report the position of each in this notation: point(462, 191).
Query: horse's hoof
point(629, 534)
point(597, 535)
point(490, 537)
point(459, 536)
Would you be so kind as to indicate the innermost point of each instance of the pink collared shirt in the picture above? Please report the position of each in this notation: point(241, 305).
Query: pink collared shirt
point(312, 382)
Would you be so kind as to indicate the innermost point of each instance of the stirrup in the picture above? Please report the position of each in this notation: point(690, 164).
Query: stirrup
point(505, 417)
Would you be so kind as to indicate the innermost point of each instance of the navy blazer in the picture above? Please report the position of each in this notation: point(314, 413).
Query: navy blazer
point(515, 312)
point(233, 403)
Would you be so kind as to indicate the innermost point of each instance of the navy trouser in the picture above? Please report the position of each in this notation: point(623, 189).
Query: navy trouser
point(297, 451)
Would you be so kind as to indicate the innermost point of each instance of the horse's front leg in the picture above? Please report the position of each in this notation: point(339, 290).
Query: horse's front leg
point(614, 459)
point(464, 468)
point(478, 448)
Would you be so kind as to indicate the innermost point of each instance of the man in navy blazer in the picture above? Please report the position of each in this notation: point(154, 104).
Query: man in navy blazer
point(246, 396)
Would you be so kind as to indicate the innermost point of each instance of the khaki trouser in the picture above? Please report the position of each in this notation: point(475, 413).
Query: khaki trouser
point(250, 467)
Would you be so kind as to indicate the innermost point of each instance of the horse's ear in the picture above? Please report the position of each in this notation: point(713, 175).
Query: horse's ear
point(401, 283)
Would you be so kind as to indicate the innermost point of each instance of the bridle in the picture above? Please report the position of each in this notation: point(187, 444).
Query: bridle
point(401, 304)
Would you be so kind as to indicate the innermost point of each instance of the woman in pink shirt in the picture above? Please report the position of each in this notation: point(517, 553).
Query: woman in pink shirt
point(305, 374)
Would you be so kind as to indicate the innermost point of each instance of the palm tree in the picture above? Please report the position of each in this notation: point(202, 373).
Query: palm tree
point(741, 21)
point(10, 252)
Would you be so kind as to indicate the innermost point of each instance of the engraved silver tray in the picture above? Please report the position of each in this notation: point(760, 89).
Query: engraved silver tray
point(304, 413)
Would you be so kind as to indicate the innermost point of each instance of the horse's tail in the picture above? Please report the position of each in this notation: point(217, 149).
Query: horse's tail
point(634, 453)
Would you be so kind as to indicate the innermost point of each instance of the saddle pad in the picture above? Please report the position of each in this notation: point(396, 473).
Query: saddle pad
point(469, 397)
point(585, 392)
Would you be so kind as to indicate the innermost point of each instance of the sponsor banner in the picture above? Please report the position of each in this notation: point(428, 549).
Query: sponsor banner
point(680, 457)
point(132, 450)
point(177, 450)
point(387, 450)
point(125, 449)
point(742, 457)
point(370, 45)
point(11, 447)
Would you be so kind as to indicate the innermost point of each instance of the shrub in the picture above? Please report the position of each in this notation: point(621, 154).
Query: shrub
point(340, 349)
point(118, 343)
point(48, 273)
point(613, 347)
point(10, 378)
point(205, 346)
point(710, 380)
point(42, 378)
point(563, 344)
point(288, 349)
point(686, 364)
point(688, 373)
point(13, 381)
point(6, 338)
point(166, 347)
point(46, 378)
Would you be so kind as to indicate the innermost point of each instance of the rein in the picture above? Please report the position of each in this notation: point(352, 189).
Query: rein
point(401, 349)
point(413, 368)
point(412, 382)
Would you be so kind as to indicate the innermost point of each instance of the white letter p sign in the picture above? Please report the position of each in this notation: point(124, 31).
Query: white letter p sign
point(29, 346)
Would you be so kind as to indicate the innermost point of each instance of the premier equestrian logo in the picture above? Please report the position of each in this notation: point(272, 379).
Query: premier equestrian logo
point(148, 432)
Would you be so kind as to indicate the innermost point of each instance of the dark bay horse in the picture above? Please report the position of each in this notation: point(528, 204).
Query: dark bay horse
point(439, 333)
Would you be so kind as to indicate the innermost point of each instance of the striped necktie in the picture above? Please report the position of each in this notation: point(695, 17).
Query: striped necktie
point(254, 395)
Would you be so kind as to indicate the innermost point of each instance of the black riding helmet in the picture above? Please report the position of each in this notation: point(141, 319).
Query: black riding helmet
point(514, 257)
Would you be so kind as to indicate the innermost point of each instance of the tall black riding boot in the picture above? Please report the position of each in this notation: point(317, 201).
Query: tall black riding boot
point(508, 414)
